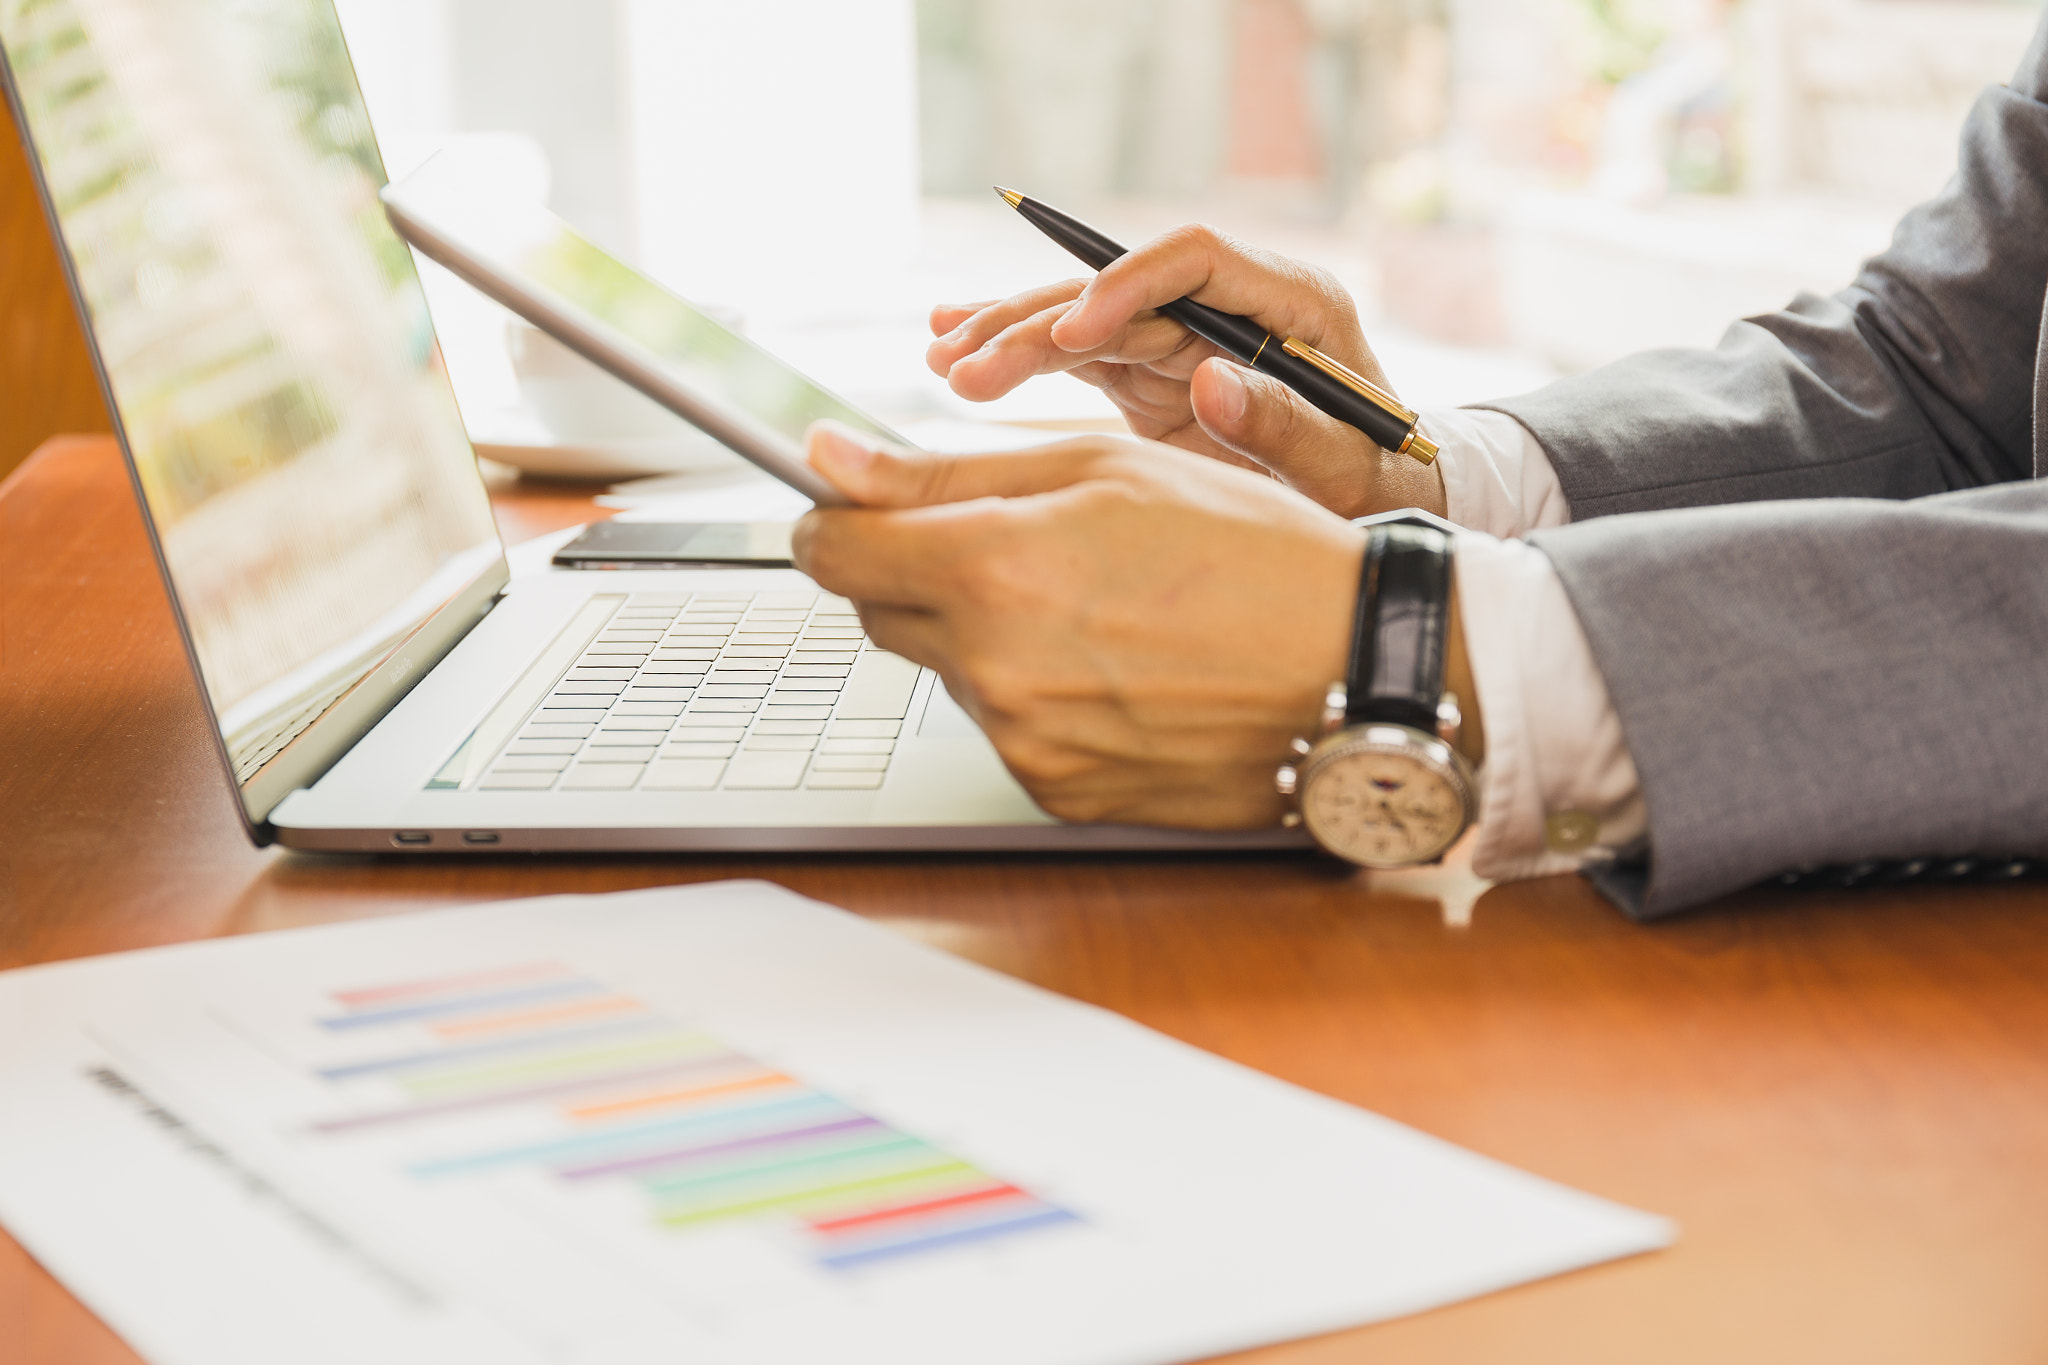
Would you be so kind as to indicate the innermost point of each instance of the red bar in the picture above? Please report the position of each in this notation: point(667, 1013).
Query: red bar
point(895, 1211)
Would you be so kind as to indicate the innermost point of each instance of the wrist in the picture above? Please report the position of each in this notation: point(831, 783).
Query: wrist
point(1458, 681)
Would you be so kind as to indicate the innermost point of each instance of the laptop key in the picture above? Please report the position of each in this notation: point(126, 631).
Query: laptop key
point(850, 763)
point(546, 731)
point(523, 747)
point(515, 782)
point(566, 688)
point(880, 687)
point(766, 772)
point(531, 763)
point(711, 727)
point(637, 693)
point(865, 729)
point(569, 715)
point(830, 781)
point(781, 743)
point(859, 746)
point(697, 749)
point(683, 775)
point(591, 777)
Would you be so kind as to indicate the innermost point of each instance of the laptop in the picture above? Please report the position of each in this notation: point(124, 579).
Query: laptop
point(377, 679)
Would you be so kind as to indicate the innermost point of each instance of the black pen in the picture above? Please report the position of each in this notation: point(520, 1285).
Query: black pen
point(1335, 388)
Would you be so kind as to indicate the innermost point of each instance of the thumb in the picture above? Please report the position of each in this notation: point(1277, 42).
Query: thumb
point(874, 473)
point(1265, 421)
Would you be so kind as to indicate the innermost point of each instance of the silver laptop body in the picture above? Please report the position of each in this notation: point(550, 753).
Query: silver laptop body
point(377, 678)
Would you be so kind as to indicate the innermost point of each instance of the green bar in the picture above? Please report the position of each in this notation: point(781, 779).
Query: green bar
point(817, 1194)
point(832, 1149)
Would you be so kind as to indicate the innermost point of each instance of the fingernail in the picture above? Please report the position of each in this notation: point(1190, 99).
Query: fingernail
point(1230, 393)
point(838, 450)
point(1079, 305)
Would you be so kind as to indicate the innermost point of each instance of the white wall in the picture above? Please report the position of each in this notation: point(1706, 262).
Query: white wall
point(761, 154)
point(773, 148)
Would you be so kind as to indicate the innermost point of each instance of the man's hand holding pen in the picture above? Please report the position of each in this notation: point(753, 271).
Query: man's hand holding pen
point(1139, 632)
point(1174, 387)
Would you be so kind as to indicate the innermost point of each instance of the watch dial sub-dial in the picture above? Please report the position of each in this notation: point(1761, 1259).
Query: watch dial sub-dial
point(1381, 808)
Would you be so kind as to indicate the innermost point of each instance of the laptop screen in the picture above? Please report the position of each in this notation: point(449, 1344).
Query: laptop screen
point(274, 373)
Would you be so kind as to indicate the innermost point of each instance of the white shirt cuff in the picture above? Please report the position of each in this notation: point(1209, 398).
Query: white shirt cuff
point(1558, 789)
point(1496, 477)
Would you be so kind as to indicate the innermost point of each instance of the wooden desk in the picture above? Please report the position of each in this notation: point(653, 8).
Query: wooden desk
point(1843, 1097)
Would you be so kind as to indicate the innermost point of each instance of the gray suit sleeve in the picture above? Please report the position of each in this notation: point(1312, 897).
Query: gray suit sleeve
point(1822, 681)
point(1917, 379)
point(1863, 672)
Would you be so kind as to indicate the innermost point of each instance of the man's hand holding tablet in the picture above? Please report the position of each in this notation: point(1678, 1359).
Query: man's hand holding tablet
point(1140, 631)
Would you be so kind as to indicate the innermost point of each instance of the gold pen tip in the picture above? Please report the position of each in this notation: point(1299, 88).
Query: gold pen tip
point(1010, 197)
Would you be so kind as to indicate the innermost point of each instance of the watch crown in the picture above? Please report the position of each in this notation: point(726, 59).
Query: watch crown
point(1299, 747)
point(1450, 718)
point(1291, 819)
point(1284, 780)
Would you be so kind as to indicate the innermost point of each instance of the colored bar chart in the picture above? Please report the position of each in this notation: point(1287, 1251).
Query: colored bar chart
point(626, 1094)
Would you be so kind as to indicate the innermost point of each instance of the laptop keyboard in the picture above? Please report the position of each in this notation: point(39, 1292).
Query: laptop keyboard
point(732, 690)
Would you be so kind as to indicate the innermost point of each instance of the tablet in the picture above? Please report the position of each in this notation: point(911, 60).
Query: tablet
point(535, 264)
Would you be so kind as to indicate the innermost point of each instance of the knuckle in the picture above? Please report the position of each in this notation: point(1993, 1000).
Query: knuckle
point(1195, 237)
point(931, 476)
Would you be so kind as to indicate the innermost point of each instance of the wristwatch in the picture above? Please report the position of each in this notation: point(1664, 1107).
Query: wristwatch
point(1383, 785)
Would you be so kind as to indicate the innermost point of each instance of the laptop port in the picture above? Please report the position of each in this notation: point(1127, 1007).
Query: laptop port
point(410, 838)
point(479, 836)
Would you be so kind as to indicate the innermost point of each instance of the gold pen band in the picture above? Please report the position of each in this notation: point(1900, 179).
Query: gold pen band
point(1416, 445)
point(1348, 377)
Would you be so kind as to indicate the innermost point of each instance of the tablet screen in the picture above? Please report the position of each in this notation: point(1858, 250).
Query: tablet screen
point(534, 263)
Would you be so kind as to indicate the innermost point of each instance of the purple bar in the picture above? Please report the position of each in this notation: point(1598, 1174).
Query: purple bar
point(679, 1154)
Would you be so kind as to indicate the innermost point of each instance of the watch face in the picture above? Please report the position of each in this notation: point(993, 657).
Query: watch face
point(1381, 806)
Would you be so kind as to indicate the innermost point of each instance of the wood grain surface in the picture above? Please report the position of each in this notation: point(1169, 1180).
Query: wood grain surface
point(1841, 1096)
point(47, 383)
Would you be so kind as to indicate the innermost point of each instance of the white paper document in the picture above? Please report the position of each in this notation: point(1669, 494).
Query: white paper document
point(711, 1124)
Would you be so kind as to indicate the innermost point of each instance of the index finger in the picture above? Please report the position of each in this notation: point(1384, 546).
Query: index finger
point(1286, 297)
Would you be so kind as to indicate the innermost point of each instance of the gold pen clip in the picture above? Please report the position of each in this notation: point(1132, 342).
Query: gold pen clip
point(1416, 444)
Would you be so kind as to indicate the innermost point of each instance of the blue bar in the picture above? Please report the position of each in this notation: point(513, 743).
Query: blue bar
point(456, 1054)
point(545, 1151)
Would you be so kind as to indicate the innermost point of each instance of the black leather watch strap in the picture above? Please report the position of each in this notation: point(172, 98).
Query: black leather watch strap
point(1404, 607)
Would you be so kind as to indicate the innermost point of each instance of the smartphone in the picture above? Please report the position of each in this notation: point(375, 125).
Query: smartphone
point(662, 544)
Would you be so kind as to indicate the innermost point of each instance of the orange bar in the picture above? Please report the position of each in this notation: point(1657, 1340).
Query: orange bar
point(446, 985)
point(548, 1014)
point(666, 1097)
